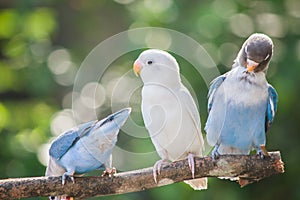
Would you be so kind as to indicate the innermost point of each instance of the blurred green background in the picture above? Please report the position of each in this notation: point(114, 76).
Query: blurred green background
point(43, 44)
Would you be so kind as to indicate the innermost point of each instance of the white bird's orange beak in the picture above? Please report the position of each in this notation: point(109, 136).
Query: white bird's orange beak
point(251, 65)
point(137, 68)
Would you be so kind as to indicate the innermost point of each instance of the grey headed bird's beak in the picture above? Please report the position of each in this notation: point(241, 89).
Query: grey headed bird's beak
point(251, 65)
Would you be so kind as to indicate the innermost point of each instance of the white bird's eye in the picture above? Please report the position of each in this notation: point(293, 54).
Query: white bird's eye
point(149, 62)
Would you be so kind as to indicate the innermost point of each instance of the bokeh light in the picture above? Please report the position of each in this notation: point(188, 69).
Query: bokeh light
point(241, 25)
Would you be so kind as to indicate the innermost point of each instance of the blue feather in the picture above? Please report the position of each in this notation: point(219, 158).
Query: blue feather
point(214, 85)
point(271, 108)
point(68, 139)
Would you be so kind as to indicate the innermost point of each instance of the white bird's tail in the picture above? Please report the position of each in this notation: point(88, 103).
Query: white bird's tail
point(198, 184)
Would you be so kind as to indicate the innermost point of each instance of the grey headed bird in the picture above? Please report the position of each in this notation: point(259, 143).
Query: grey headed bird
point(241, 103)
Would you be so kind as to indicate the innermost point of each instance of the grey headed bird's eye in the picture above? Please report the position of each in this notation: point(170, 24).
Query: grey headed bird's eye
point(149, 62)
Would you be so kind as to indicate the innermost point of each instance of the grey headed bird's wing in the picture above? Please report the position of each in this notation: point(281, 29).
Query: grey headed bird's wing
point(214, 85)
point(271, 107)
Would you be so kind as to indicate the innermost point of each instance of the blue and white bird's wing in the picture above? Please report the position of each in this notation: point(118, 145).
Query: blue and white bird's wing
point(214, 85)
point(272, 107)
point(64, 142)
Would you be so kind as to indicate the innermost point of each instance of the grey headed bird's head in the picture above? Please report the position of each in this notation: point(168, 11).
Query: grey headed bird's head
point(157, 66)
point(256, 53)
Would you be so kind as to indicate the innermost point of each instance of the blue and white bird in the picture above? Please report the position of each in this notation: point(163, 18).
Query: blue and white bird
point(241, 103)
point(86, 148)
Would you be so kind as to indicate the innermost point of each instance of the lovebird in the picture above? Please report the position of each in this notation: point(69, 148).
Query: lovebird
point(241, 103)
point(169, 112)
point(85, 148)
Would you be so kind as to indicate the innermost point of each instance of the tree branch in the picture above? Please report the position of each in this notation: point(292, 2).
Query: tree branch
point(249, 169)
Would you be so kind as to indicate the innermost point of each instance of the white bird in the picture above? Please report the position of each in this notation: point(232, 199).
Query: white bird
point(169, 112)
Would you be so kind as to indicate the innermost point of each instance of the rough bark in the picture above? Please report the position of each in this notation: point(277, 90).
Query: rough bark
point(247, 169)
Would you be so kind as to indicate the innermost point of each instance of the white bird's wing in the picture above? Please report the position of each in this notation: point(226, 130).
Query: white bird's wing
point(189, 103)
point(192, 109)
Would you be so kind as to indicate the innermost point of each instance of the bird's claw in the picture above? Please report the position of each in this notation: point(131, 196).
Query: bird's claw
point(191, 164)
point(262, 152)
point(109, 172)
point(65, 176)
point(215, 154)
point(157, 167)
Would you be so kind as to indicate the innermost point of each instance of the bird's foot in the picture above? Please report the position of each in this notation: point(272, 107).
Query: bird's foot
point(65, 176)
point(215, 153)
point(191, 162)
point(157, 167)
point(262, 152)
point(109, 172)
